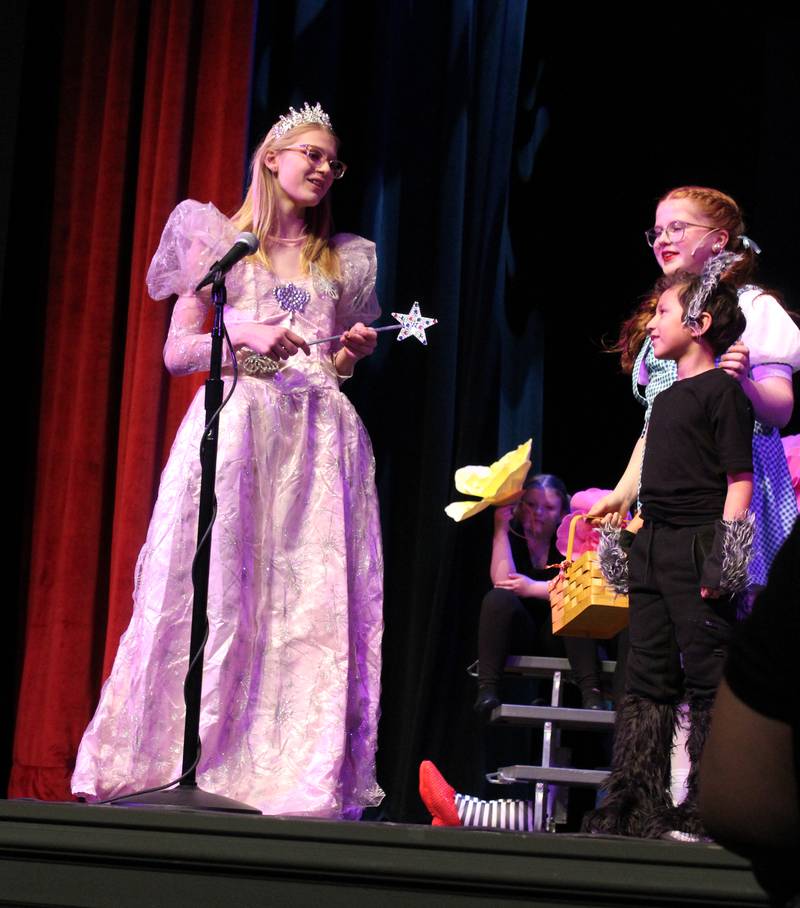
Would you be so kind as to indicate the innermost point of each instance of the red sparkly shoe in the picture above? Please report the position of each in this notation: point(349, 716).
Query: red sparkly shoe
point(437, 795)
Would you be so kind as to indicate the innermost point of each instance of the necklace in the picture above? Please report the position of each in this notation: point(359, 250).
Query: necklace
point(288, 240)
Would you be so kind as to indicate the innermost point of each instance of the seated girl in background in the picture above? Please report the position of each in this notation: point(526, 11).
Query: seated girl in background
point(515, 615)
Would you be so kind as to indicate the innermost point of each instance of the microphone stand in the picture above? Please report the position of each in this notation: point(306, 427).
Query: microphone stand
point(188, 795)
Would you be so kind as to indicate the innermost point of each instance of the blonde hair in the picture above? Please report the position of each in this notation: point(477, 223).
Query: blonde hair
point(259, 211)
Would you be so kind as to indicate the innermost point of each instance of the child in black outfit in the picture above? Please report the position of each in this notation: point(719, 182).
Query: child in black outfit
point(687, 560)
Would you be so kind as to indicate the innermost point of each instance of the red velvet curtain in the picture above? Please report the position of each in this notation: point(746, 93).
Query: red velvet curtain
point(154, 102)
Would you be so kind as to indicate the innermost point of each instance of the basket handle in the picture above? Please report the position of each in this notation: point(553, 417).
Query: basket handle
point(572, 526)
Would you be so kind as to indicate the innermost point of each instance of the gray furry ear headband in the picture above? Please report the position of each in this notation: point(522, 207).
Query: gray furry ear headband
point(710, 276)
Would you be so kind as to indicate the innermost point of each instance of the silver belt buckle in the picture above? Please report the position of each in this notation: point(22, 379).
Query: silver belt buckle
point(260, 364)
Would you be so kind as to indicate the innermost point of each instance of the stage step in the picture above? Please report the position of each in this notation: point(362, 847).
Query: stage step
point(114, 857)
point(551, 782)
point(559, 775)
point(563, 717)
point(544, 666)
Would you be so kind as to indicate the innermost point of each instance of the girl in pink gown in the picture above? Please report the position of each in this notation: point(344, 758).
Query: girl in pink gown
point(292, 665)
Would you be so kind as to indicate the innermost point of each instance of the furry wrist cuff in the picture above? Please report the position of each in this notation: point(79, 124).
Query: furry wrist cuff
point(613, 551)
point(725, 568)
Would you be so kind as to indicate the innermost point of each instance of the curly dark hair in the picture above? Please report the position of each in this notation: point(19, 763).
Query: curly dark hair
point(727, 319)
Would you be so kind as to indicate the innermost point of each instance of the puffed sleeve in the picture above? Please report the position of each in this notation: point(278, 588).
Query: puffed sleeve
point(357, 301)
point(771, 335)
point(194, 237)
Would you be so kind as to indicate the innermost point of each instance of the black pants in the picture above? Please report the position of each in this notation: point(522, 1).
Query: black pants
point(678, 640)
point(509, 625)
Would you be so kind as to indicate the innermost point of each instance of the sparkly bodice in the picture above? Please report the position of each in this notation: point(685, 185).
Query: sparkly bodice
point(196, 235)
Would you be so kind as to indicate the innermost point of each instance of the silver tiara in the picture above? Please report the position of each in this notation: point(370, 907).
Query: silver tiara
point(303, 117)
point(709, 280)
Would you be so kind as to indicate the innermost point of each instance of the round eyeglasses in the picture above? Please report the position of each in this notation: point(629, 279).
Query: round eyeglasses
point(317, 157)
point(674, 231)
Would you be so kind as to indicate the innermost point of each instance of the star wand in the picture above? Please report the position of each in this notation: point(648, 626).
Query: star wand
point(412, 322)
point(335, 337)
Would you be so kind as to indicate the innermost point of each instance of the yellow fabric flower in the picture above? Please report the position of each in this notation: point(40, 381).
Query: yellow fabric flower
point(499, 484)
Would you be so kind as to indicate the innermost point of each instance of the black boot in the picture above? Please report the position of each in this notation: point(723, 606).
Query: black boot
point(640, 776)
point(592, 696)
point(683, 822)
point(487, 699)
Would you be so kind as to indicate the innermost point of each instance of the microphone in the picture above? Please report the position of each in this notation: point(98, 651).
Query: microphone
point(246, 244)
point(702, 240)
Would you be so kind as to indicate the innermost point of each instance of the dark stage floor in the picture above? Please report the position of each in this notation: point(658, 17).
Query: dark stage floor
point(76, 855)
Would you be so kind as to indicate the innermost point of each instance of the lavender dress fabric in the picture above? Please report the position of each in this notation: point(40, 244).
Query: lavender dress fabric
point(292, 667)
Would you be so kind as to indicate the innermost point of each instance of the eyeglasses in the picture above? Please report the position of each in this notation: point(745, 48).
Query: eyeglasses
point(317, 157)
point(674, 231)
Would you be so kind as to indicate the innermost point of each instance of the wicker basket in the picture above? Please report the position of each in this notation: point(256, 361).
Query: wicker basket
point(582, 603)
